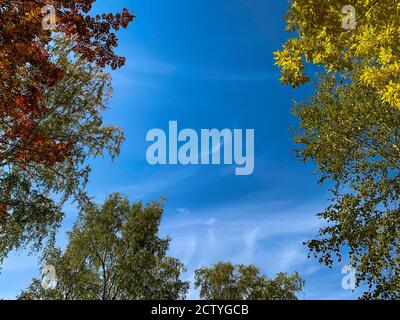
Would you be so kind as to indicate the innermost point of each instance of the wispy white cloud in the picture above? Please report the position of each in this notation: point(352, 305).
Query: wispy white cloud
point(140, 66)
point(148, 66)
point(183, 210)
point(243, 233)
point(250, 238)
point(17, 273)
point(142, 73)
point(154, 185)
point(294, 254)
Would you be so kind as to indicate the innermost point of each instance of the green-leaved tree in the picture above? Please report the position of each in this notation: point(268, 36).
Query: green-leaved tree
point(350, 129)
point(114, 252)
point(225, 281)
point(32, 194)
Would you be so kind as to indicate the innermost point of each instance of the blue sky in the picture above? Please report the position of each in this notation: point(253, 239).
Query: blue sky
point(209, 64)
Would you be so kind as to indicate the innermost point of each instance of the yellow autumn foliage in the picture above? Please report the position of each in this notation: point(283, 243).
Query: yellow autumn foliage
point(320, 39)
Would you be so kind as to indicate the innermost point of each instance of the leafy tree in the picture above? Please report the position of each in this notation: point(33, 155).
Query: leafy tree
point(355, 139)
point(32, 192)
point(323, 41)
point(114, 252)
point(50, 111)
point(225, 281)
point(350, 128)
point(27, 71)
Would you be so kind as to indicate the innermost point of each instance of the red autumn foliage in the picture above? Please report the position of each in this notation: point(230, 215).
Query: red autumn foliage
point(27, 72)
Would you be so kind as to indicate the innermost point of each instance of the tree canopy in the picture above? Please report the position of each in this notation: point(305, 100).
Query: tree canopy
point(114, 252)
point(321, 40)
point(52, 93)
point(350, 129)
point(27, 71)
point(225, 281)
point(32, 193)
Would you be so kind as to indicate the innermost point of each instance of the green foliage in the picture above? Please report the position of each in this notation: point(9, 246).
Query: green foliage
point(225, 281)
point(31, 196)
point(114, 252)
point(355, 140)
point(350, 129)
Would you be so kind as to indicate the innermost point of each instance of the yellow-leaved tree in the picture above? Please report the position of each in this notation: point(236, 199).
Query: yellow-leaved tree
point(350, 128)
point(322, 39)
